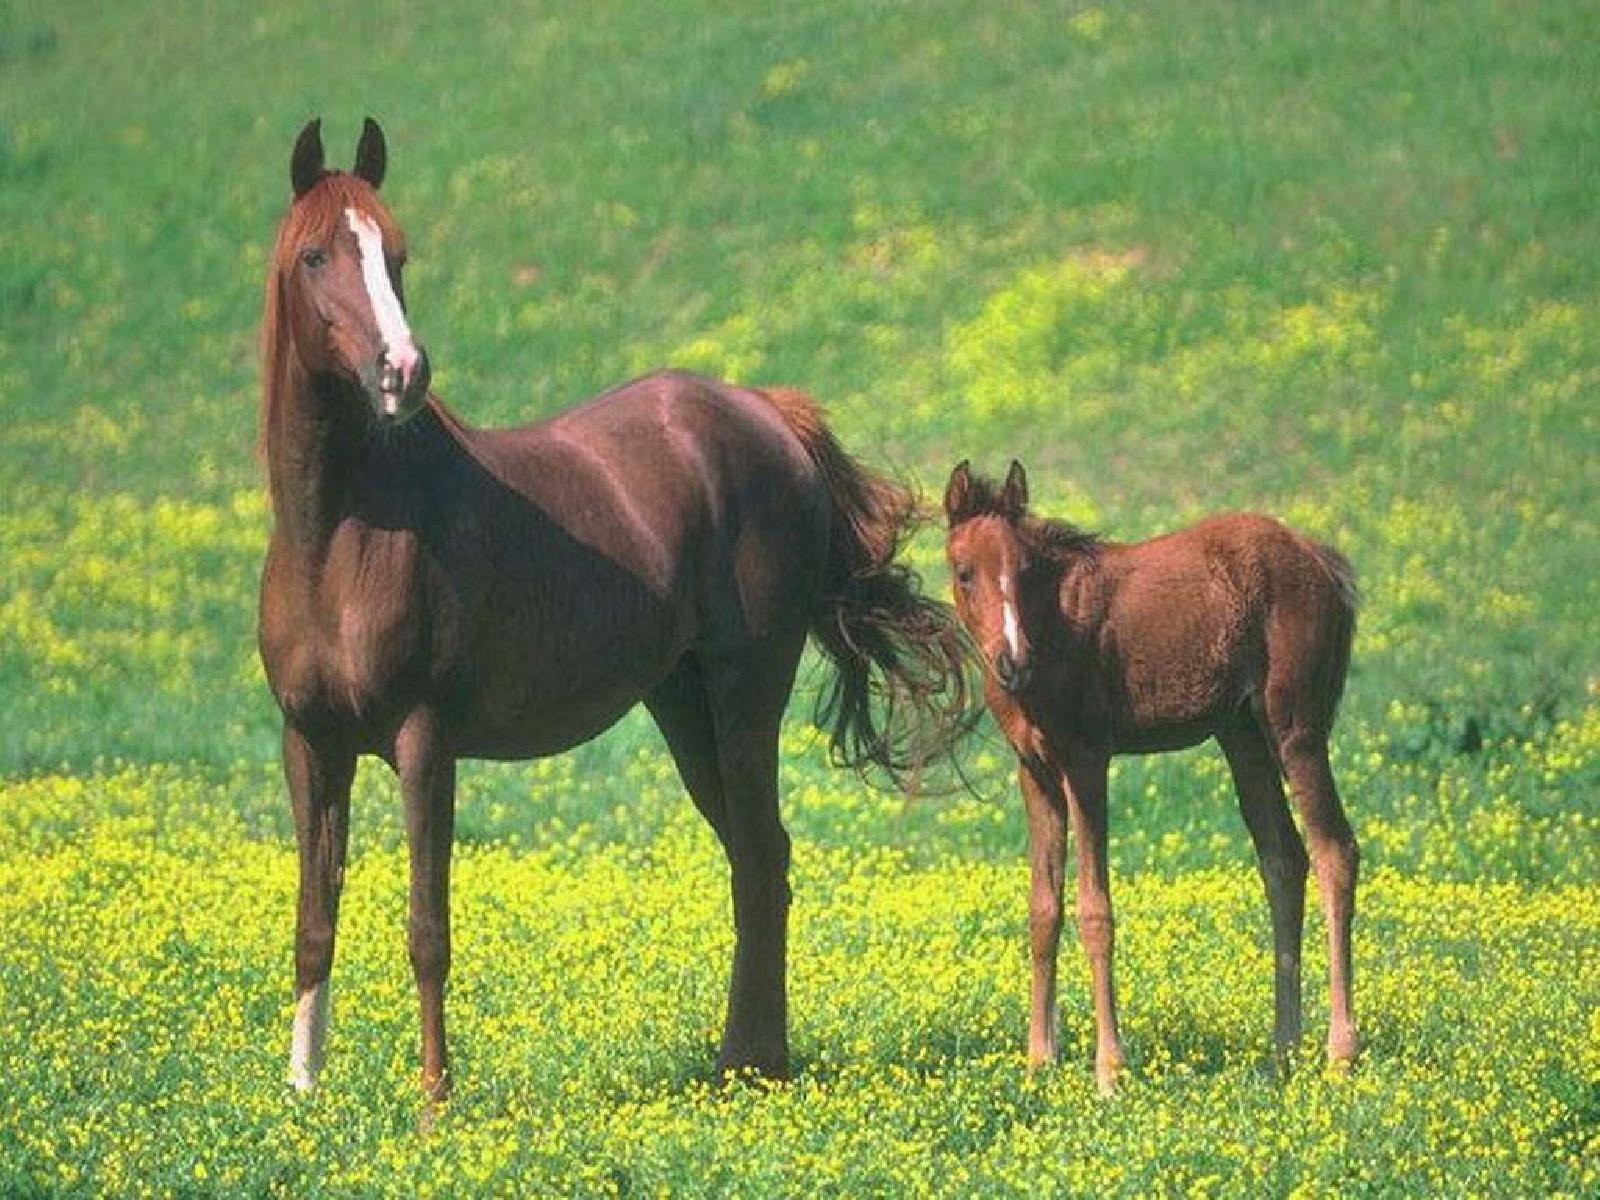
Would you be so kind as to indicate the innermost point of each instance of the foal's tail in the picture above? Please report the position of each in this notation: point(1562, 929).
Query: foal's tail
point(898, 696)
point(1347, 598)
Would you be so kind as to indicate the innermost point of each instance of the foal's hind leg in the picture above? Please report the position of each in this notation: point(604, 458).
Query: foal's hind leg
point(1304, 753)
point(319, 775)
point(747, 694)
point(1281, 856)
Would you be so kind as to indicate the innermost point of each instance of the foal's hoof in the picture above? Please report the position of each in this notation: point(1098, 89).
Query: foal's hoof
point(1108, 1076)
point(1343, 1050)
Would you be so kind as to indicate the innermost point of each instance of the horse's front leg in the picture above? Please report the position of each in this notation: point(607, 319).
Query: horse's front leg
point(1086, 800)
point(427, 770)
point(1047, 843)
point(318, 771)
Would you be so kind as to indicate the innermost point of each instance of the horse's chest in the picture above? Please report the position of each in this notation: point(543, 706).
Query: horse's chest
point(356, 640)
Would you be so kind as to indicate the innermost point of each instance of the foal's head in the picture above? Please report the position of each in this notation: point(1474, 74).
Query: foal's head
point(335, 301)
point(991, 562)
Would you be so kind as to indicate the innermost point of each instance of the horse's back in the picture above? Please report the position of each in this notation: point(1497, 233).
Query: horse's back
point(667, 516)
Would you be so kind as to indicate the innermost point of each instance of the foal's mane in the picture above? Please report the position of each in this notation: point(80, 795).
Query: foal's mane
point(1054, 539)
point(1044, 537)
point(313, 217)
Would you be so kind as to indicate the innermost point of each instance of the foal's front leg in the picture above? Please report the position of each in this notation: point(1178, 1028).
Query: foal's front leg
point(1086, 801)
point(1047, 844)
point(427, 770)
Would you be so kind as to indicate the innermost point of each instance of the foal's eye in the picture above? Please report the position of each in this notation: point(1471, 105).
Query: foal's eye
point(314, 256)
point(964, 576)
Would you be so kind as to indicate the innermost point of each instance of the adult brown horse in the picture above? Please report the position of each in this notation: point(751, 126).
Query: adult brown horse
point(1237, 629)
point(434, 591)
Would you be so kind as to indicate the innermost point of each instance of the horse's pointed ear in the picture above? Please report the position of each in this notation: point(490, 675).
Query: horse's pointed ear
point(1014, 496)
point(305, 166)
point(372, 154)
point(958, 492)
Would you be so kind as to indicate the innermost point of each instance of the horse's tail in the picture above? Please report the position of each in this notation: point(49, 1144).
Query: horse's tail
point(1347, 599)
point(898, 695)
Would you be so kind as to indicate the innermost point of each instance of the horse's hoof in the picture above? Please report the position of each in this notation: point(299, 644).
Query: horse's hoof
point(432, 1113)
point(754, 1069)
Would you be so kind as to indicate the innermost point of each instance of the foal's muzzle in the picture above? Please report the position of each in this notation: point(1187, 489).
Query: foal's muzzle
point(1012, 674)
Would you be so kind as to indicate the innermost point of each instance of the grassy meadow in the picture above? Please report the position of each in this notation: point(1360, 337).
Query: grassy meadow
point(1339, 262)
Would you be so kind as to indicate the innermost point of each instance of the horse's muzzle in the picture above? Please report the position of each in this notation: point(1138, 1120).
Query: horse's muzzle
point(402, 382)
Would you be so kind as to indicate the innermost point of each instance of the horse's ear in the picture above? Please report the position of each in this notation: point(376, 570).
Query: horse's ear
point(1014, 496)
point(958, 492)
point(305, 166)
point(372, 155)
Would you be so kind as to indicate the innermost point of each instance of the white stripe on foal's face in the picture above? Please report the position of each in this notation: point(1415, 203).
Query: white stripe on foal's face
point(1008, 611)
point(392, 327)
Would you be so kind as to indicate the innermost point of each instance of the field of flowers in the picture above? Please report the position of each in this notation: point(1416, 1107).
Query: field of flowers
point(1338, 263)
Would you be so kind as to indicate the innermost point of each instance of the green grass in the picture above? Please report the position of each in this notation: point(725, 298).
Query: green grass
point(1336, 262)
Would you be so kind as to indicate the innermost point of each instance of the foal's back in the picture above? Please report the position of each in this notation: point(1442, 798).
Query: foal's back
point(1189, 627)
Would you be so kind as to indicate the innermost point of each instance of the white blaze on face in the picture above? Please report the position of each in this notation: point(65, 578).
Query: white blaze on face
point(1008, 615)
point(398, 347)
point(310, 1037)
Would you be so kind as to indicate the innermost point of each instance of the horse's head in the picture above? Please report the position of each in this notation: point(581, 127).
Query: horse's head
point(989, 568)
point(336, 283)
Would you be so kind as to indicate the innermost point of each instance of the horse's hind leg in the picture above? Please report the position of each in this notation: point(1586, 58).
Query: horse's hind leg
point(1303, 750)
point(682, 712)
point(1281, 856)
point(319, 775)
point(747, 694)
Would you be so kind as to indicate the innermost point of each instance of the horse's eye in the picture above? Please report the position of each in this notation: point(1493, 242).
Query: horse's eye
point(964, 575)
point(314, 257)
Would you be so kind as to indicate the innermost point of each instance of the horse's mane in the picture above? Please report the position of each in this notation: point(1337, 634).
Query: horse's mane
point(313, 217)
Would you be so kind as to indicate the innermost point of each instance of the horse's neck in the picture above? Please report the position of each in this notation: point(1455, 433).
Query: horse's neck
point(316, 446)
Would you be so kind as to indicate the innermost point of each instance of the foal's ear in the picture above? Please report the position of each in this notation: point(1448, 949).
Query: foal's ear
point(305, 165)
point(372, 155)
point(958, 492)
point(1014, 496)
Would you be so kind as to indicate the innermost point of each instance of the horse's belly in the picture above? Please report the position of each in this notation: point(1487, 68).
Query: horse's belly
point(553, 693)
point(546, 718)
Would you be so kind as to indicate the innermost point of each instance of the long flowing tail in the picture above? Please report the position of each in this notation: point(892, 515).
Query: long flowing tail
point(898, 697)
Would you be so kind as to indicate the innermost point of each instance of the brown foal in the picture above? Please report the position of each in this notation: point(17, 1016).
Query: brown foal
point(1236, 628)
